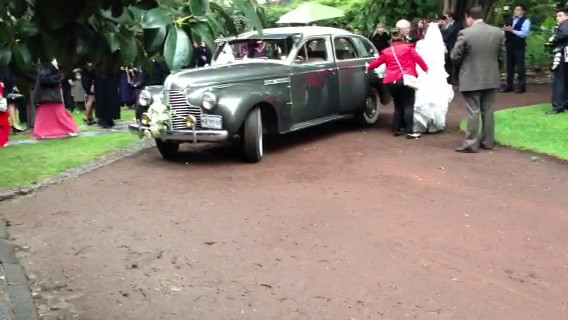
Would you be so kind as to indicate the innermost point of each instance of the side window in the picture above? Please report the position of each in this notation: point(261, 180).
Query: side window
point(365, 48)
point(312, 51)
point(344, 49)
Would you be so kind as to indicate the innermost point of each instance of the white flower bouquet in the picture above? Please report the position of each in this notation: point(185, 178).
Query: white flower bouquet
point(156, 120)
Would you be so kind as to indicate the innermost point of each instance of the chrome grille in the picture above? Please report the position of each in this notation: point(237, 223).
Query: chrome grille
point(181, 109)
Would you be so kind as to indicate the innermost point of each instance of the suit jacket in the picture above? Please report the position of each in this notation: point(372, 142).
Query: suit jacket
point(480, 54)
point(450, 35)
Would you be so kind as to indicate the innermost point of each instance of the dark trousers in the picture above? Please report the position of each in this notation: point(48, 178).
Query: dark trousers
point(516, 62)
point(480, 108)
point(403, 98)
point(559, 87)
point(451, 70)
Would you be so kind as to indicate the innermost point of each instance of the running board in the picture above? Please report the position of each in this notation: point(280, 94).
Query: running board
point(317, 122)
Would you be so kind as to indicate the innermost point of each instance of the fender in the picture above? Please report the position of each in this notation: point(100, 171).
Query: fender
point(236, 101)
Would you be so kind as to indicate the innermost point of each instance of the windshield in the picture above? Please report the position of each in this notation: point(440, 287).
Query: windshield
point(238, 50)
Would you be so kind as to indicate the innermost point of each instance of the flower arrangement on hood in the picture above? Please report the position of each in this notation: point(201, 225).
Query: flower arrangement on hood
point(157, 120)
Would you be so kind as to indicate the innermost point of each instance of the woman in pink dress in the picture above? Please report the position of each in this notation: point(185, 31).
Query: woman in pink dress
point(4, 122)
point(53, 121)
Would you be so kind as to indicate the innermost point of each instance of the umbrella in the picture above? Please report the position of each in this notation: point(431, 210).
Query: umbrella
point(310, 12)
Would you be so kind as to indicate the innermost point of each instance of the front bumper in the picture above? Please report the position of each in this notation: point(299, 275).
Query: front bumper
point(193, 136)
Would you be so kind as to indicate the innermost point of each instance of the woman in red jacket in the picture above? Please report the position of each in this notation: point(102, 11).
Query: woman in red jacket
point(403, 96)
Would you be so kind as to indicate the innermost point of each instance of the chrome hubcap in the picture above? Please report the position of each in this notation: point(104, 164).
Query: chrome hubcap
point(371, 107)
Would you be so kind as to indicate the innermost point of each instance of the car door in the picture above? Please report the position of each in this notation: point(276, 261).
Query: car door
point(352, 73)
point(314, 86)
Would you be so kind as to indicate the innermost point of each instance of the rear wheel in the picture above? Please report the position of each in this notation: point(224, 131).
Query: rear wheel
point(253, 137)
point(168, 149)
point(370, 115)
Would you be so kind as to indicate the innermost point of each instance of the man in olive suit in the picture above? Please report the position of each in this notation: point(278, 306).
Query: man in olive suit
point(479, 54)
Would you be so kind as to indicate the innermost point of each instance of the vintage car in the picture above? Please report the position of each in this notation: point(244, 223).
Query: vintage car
point(283, 80)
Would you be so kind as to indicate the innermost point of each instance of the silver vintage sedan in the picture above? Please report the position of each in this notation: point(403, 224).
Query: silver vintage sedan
point(283, 80)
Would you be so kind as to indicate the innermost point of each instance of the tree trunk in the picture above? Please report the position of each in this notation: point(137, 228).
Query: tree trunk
point(459, 7)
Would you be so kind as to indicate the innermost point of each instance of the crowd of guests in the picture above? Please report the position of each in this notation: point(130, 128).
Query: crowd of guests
point(54, 94)
point(46, 110)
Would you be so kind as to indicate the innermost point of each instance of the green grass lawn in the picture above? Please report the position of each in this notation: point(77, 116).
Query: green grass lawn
point(29, 163)
point(529, 129)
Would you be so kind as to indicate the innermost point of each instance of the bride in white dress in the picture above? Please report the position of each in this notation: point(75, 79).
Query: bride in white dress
point(434, 94)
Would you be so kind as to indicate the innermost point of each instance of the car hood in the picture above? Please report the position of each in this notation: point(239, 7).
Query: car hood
point(225, 74)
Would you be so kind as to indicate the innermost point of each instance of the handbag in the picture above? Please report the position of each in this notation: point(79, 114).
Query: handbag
point(407, 79)
point(3, 104)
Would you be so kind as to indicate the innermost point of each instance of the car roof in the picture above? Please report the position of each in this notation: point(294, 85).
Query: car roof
point(273, 33)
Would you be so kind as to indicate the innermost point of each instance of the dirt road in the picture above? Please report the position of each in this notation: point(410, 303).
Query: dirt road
point(337, 222)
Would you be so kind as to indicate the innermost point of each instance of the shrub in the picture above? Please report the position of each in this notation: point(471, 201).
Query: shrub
point(537, 57)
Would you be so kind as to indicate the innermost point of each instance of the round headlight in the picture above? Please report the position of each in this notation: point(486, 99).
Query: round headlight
point(209, 101)
point(145, 98)
point(145, 119)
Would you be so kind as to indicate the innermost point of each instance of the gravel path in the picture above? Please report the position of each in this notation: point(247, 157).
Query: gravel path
point(337, 222)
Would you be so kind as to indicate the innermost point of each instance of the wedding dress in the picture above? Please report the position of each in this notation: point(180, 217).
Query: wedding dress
point(434, 94)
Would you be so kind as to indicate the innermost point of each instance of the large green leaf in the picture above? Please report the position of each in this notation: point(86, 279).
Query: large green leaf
point(128, 49)
point(156, 18)
point(17, 8)
point(154, 39)
point(112, 41)
point(26, 29)
point(54, 14)
point(5, 56)
point(203, 32)
point(177, 50)
point(214, 24)
point(6, 35)
point(229, 25)
point(3, 8)
point(136, 14)
point(22, 57)
point(199, 7)
point(249, 10)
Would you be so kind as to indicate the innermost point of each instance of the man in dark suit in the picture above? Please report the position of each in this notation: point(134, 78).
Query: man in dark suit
point(559, 45)
point(479, 52)
point(517, 29)
point(450, 35)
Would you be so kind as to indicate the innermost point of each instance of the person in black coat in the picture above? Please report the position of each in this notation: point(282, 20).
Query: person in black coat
point(559, 44)
point(380, 38)
point(88, 83)
point(201, 55)
point(16, 101)
point(107, 97)
point(452, 28)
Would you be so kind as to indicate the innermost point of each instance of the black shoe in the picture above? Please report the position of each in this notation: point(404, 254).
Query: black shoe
point(506, 89)
point(397, 133)
point(555, 112)
point(465, 150)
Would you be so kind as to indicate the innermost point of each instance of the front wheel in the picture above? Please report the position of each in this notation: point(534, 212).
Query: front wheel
point(370, 114)
point(167, 149)
point(252, 136)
